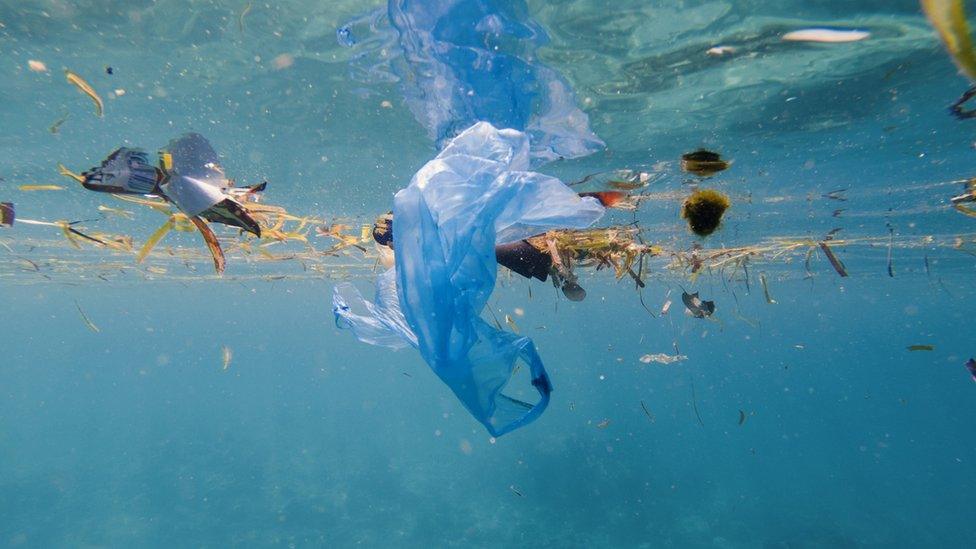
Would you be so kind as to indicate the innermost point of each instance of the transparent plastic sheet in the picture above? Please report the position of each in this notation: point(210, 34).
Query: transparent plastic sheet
point(197, 181)
point(378, 323)
point(465, 61)
point(474, 194)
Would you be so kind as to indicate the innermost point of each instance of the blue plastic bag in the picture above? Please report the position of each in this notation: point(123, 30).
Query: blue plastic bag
point(463, 61)
point(477, 192)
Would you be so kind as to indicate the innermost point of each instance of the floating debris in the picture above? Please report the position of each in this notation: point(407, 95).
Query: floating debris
point(515, 490)
point(694, 403)
point(647, 412)
point(511, 324)
point(971, 366)
point(703, 163)
point(154, 239)
point(662, 358)
point(603, 424)
point(627, 185)
point(666, 307)
point(70, 174)
point(957, 109)
point(762, 280)
point(240, 18)
point(212, 244)
point(970, 193)
point(7, 214)
point(117, 212)
point(283, 61)
point(891, 242)
point(696, 307)
point(556, 253)
point(36, 66)
point(704, 210)
point(57, 124)
point(826, 35)
point(226, 355)
point(109, 70)
point(742, 417)
point(88, 322)
point(720, 51)
point(921, 347)
point(834, 261)
point(40, 188)
point(949, 19)
point(609, 199)
point(86, 89)
point(837, 194)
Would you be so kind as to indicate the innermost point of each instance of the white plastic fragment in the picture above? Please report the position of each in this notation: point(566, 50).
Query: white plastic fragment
point(827, 36)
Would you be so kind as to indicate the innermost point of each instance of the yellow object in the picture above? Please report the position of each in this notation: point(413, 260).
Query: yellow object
point(86, 89)
point(154, 239)
point(226, 356)
point(41, 188)
point(68, 173)
point(167, 160)
point(949, 19)
point(212, 243)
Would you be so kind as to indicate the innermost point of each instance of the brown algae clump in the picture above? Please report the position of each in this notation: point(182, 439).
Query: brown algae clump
point(703, 163)
point(704, 209)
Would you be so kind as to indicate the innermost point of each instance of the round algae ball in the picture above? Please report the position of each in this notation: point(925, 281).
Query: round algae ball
point(704, 209)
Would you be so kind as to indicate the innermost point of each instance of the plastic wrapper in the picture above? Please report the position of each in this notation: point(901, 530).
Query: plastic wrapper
point(463, 61)
point(475, 194)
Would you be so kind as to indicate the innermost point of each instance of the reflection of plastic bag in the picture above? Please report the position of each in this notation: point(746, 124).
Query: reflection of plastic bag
point(474, 194)
point(463, 61)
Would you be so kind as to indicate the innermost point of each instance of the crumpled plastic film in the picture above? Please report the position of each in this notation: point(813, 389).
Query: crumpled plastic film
point(477, 192)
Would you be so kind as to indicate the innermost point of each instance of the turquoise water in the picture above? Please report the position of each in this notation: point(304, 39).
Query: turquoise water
point(136, 435)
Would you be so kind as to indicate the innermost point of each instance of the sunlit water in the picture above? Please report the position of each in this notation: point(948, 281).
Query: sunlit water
point(800, 423)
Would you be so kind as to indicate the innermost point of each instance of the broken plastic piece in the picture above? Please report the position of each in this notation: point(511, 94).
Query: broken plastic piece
point(696, 306)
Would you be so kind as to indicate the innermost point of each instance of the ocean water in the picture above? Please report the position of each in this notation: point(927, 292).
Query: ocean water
point(800, 421)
